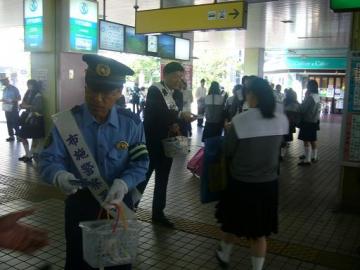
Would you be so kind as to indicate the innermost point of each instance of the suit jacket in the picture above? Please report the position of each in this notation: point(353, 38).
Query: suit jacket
point(157, 118)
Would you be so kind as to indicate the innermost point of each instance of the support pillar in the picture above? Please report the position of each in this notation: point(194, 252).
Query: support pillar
point(254, 61)
point(255, 43)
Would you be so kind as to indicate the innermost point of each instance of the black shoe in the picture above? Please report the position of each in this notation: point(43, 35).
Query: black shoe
point(10, 139)
point(313, 160)
point(303, 163)
point(25, 159)
point(22, 158)
point(302, 157)
point(162, 220)
point(223, 264)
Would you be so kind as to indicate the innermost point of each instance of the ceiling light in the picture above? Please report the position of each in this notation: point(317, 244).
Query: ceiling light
point(315, 37)
point(287, 21)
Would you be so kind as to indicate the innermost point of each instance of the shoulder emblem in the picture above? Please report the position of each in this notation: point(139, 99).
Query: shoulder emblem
point(76, 109)
point(128, 113)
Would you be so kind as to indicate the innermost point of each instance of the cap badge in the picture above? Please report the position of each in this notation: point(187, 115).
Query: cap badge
point(103, 70)
point(122, 145)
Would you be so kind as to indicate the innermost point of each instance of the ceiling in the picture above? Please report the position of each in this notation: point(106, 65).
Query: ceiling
point(314, 25)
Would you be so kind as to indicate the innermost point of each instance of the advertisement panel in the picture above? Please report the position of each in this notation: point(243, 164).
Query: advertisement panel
point(111, 36)
point(83, 24)
point(33, 24)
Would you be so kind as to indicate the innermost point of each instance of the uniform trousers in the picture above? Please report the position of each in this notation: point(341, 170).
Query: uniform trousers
point(82, 206)
point(12, 121)
point(162, 166)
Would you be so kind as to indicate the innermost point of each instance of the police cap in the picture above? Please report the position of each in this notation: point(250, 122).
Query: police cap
point(105, 74)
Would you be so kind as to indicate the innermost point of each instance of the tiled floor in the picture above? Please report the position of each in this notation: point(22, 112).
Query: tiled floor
point(312, 235)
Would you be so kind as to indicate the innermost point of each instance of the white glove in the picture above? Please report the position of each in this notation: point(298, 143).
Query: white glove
point(62, 181)
point(116, 193)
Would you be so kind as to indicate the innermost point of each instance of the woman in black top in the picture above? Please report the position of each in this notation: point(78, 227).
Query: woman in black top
point(214, 112)
point(31, 121)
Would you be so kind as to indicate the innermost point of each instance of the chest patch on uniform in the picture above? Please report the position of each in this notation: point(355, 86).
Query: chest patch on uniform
point(122, 145)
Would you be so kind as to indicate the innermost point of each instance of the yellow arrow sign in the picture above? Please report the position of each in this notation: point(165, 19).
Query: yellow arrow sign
point(189, 18)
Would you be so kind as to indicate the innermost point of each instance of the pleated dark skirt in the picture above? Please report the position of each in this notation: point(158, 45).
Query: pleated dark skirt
point(249, 209)
point(212, 130)
point(308, 132)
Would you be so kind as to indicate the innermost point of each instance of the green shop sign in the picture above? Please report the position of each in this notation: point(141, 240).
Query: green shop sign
point(83, 25)
point(316, 63)
point(344, 5)
point(33, 24)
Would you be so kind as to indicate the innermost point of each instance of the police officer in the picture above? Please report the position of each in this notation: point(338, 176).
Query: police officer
point(115, 138)
point(161, 118)
point(11, 97)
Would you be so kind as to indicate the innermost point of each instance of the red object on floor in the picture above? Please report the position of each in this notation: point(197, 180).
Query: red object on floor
point(195, 164)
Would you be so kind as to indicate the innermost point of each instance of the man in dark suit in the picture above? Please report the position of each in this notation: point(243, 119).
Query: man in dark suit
point(161, 118)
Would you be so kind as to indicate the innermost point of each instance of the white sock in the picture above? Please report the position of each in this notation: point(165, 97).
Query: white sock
point(27, 150)
point(307, 154)
point(225, 251)
point(257, 263)
point(315, 154)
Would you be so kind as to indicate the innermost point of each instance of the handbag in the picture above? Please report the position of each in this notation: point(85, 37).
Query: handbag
point(175, 146)
point(35, 120)
point(110, 242)
point(214, 174)
point(22, 118)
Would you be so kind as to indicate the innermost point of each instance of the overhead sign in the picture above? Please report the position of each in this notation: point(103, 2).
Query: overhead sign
point(345, 5)
point(316, 63)
point(33, 24)
point(83, 25)
point(228, 15)
point(111, 36)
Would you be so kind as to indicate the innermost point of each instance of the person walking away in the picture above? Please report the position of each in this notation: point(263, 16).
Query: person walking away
point(292, 111)
point(234, 104)
point(32, 121)
point(249, 206)
point(161, 118)
point(214, 112)
point(187, 100)
point(310, 116)
point(96, 142)
point(121, 102)
point(224, 93)
point(142, 99)
point(279, 98)
point(200, 95)
point(10, 99)
point(135, 98)
point(245, 82)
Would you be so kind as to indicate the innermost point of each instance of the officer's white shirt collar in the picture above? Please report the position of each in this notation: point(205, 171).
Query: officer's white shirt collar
point(112, 120)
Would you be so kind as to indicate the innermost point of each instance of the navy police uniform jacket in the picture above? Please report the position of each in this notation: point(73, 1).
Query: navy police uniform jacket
point(113, 144)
